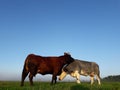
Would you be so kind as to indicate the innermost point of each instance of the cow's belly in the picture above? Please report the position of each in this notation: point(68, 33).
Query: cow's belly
point(85, 73)
point(44, 71)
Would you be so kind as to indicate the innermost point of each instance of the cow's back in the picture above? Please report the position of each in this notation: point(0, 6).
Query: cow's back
point(72, 67)
point(88, 67)
point(47, 65)
point(84, 67)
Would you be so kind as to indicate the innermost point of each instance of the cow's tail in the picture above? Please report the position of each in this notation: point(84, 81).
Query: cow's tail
point(25, 71)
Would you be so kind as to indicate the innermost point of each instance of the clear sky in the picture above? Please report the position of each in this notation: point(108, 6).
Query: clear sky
point(88, 29)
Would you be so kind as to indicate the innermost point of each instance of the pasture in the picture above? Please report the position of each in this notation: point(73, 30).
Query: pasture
point(15, 85)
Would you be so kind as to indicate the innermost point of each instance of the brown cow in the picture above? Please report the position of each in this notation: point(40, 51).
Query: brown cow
point(44, 65)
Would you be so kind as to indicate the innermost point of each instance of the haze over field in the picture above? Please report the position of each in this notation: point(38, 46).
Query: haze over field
point(88, 29)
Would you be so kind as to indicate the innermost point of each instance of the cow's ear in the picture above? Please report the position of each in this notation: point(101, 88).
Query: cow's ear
point(67, 53)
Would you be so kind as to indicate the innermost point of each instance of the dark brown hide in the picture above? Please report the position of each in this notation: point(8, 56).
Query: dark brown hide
point(44, 65)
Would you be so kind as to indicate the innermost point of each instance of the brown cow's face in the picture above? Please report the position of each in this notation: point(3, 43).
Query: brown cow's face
point(69, 59)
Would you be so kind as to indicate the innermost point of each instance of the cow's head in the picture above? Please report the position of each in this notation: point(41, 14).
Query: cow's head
point(62, 75)
point(68, 58)
point(65, 72)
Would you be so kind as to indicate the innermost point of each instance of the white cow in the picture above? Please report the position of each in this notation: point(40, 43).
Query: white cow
point(79, 67)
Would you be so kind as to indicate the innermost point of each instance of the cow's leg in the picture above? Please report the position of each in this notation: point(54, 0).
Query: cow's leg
point(92, 79)
point(31, 79)
point(76, 75)
point(98, 78)
point(78, 78)
point(54, 78)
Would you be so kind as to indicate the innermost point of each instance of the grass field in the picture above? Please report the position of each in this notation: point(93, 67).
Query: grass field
point(59, 86)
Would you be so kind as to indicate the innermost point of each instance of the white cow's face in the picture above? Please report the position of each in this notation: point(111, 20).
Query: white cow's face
point(62, 75)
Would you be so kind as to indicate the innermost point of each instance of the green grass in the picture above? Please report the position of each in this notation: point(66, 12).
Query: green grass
point(59, 86)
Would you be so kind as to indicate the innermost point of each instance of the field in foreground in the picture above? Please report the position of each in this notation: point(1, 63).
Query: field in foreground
point(59, 86)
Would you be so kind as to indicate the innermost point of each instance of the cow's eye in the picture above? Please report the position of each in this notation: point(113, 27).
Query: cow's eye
point(65, 70)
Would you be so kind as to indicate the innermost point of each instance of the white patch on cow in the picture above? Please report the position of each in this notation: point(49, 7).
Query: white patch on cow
point(92, 80)
point(78, 78)
point(74, 74)
point(83, 73)
point(78, 81)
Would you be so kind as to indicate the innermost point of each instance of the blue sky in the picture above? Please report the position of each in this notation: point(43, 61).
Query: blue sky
point(88, 29)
